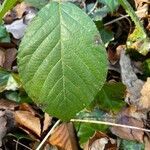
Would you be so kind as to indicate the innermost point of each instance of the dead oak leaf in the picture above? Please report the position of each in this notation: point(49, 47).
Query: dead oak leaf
point(64, 137)
point(28, 121)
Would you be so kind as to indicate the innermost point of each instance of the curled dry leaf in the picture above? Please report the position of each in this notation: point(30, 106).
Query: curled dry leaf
point(64, 137)
point(145, 95)
point(28, 121)
point(114, 55)
point(129, 78)
point(100, 141)
point(47, 122)
point(142, 5)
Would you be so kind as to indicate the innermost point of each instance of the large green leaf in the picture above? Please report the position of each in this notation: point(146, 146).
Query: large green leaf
point(62, 61)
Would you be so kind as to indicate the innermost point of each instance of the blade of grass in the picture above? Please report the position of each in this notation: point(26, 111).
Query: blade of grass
point(125, 4)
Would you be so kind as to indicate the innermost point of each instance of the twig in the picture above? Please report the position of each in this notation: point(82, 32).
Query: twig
point(111, 124)
point(122, 17)
point(95, 5)
point(17, 142)
point(48, 134)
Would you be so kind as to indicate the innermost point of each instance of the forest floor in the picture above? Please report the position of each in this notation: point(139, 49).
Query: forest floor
point(119, 116)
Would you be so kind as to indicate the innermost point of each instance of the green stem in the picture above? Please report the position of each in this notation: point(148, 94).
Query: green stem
point(125, 4)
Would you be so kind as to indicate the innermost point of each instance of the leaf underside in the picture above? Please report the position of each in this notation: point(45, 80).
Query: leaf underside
point(62, 61)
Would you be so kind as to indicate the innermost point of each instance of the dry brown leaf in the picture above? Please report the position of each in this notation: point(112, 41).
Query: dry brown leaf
point(47, 121)
point(131, 117)
point(64, 137)
point(27, 107)
point(17, 13)
point(2, 57)
point(7, 104)
point(145, 95)
point(20, 9)
point(147, 142)
point(130, 79)
point(142, 5)
point(3, 128)
point(113, 55)
point(10, 56)
point(6, 123)
point(28, 121)
point(100, 141)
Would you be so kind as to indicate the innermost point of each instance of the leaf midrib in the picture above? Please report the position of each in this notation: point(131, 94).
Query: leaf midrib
point(61, 50)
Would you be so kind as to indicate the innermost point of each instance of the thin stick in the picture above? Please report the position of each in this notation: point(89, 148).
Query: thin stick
point(122, 17)
point(48, 134)
point(17, 142)
point(111, 124)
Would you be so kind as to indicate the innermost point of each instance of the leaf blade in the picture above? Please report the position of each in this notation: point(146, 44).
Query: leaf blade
point(73, 72)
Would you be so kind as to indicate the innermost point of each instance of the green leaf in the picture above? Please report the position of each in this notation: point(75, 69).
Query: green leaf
point(86, 130)
point(106, 34)
point(6, 6)
point(131, 145)
point(12, 95)
point(146, 67)
point(62, 61)
point(100, 13)
point(125, 4)
point(110, 97)
point(7, 82)
point(37, 3)
point(111, 4)
point(4, 35)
